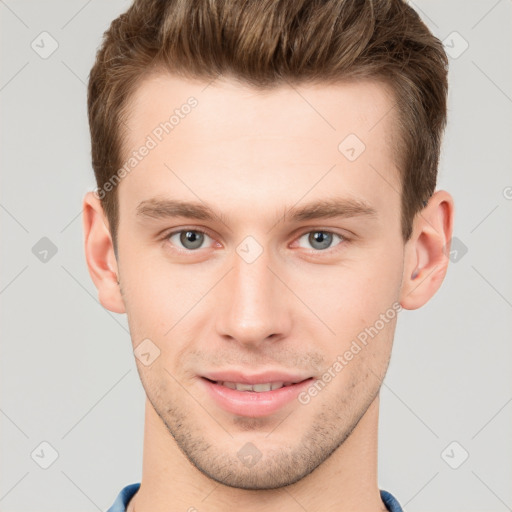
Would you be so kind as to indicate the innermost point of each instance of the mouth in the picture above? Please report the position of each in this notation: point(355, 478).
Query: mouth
point(254, 399)
point(255, 388)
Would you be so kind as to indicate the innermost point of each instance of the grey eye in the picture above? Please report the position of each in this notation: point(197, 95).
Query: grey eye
point(189, 239)
point(320, 240)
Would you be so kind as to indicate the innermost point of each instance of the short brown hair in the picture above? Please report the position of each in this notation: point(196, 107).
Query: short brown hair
point(266, 43)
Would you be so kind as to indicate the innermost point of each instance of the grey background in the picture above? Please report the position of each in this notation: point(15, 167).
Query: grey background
point(68, 376)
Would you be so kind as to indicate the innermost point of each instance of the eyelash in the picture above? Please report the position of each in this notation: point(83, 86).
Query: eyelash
point(329, 250)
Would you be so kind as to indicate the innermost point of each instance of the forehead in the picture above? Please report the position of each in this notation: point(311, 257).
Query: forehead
point(225, 140)
point(227, 105)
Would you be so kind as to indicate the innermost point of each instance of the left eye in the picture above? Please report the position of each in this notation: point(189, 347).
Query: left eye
point(320, 240)
point(190, 239)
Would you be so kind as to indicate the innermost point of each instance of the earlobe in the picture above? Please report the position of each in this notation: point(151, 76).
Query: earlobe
point(99, 254)
point(426, 252)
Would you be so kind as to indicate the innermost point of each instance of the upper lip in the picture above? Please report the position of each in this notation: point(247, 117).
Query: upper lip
point(254, 378)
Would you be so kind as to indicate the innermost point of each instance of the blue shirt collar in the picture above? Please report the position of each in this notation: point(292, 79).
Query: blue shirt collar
point(128, 492)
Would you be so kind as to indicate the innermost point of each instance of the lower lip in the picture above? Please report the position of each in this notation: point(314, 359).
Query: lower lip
point(251, 403)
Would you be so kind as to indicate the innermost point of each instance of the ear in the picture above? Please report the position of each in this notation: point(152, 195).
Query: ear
point(427, 252)
point(99, 254)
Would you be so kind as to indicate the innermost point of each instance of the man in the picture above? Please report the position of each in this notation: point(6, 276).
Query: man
point(265, 208)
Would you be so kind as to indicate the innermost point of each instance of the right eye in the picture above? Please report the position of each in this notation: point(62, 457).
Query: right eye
point(190, 239)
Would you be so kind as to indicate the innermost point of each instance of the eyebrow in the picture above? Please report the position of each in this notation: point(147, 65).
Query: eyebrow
point(157, 208)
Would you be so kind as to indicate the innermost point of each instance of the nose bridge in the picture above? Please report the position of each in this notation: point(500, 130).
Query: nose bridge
point(252, 306)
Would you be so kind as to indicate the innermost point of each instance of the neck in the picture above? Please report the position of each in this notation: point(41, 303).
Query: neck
point(346, 481)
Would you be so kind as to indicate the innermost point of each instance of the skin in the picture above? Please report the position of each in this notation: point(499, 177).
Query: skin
point(252, 156)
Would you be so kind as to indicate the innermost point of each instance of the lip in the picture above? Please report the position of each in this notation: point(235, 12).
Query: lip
point(250, 403)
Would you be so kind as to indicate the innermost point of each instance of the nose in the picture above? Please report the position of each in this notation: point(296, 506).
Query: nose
point(252, 303)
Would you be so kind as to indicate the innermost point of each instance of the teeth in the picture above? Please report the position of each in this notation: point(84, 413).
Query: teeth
point(263, 387)
point(258, 388)
point(243, 387)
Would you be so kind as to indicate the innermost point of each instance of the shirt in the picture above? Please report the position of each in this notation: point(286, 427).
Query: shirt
point(127, 493)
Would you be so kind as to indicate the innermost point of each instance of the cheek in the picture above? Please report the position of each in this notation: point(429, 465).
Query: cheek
point(150, 280)
point(149, 302)
point(355, 296)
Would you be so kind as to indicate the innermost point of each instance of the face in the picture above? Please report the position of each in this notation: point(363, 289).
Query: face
point(260, 243)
